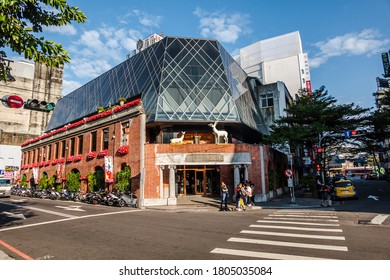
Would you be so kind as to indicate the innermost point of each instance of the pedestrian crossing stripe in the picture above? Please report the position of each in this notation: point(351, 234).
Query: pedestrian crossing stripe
point(289, 244)
point(295, 235)
point(293, 221)
point(302, 219)
point(298, 223)
point(262, 255)
point(297, 228)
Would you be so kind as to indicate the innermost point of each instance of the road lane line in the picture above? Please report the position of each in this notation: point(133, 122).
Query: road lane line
point(16, 251)
point(261, 255)
point(274, 233)
point(298, 223)
point(68, 219)
point(289, 244)
point(298, 228)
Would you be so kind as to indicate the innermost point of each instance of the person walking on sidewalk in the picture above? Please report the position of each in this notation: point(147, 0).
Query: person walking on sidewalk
point(224, 197)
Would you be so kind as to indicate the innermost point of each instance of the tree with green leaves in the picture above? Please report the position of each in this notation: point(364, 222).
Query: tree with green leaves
point(73, 182)
point(22, 20)
point(372, 137)
point(311, 116)
point(43, 183)
point(122, 179)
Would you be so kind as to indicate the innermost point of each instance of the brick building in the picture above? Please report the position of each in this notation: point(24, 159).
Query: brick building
point(191, 119)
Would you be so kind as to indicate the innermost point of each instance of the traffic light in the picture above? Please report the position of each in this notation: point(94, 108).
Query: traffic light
point(319, 150)
point(36, 105)
point(318, 167)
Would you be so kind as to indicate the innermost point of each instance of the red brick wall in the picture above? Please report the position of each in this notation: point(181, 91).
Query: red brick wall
point(84, 166)
point(272, 159)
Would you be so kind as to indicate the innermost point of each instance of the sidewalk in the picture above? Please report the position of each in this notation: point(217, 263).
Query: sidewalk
point(204, 203)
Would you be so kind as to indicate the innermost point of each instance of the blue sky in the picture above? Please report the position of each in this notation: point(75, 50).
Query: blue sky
point(344, 39)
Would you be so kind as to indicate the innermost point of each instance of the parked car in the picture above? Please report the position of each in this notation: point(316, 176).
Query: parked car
point(344, 189)
point(375, 176)
point(5, 187)
point(336, 178)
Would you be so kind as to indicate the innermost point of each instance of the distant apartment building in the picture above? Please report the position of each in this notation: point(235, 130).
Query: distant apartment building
point(278, 59)
point(32, 81)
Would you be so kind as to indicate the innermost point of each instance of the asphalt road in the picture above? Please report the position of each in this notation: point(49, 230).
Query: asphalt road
point(59, 230)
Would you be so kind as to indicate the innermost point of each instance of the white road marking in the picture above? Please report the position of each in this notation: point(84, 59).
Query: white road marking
point(40, 210)
point(298, 223)
point(261, 255)
point(289, 244)
point(274, 233)
point(303, 216)
point(374, 197)
point(301, 219)
point(378, 220)
point(68, 219)
point(71, 208)
point(319, 212)
point(297, 228)
point(17, 200)
point(15, 216)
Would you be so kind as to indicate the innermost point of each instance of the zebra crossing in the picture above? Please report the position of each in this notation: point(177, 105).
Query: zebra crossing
point(304, 234)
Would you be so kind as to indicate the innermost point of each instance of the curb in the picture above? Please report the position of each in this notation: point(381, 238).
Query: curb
point(4, 256)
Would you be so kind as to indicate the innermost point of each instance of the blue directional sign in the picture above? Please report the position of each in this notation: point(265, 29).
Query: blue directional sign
point(347, 133)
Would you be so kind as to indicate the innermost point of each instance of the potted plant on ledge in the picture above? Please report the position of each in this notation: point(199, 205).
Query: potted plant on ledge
point(122, 101)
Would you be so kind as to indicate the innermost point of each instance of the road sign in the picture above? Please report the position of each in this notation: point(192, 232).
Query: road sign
point(12, 101)
point(288, 173)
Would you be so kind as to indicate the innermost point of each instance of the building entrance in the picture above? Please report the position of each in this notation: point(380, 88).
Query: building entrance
point(197, 180)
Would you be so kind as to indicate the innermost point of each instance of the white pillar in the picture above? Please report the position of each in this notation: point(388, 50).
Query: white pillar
point(142, 159)
point(246, 176)
point(236, 175)
point(162, 167)
point(172, 195)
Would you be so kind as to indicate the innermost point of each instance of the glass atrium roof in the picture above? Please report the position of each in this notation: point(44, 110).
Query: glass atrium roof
point(178, 80)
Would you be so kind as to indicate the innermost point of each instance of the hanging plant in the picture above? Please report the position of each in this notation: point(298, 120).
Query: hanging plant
point(77, 158)
point(91, 155)
point(123, 150)
point(69, 159)
point(103, 153)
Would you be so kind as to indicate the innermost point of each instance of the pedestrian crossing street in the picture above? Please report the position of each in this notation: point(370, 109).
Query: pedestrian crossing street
point(290, 235)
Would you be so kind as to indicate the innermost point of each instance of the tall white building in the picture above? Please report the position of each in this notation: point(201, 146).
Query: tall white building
point(278, 59)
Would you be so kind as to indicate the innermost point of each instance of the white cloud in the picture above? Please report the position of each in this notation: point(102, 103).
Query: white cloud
point(69, 86)
point(89, 68)
point(367, 42)
point(63, 30)
point(146, 19)
point(224, 27)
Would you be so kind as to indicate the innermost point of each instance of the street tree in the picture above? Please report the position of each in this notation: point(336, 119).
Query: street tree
point(373, 138)
point(22, 21)
point(315, 119)
point(311, 116)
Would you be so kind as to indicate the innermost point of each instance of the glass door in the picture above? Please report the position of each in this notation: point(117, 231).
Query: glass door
point(199, 182)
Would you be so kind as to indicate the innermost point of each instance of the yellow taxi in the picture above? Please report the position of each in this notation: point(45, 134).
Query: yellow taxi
point(344, 189)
